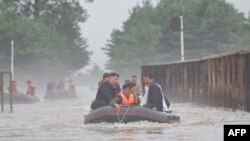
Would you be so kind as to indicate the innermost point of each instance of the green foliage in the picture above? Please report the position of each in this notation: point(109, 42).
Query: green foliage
point(213, 24)
point(210, 26)
point(46, 35)
point(136, 42)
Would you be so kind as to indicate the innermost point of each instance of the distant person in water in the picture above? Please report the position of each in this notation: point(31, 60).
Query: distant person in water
point(14, 86)
point(51, 85)
point(106, 92)
point(30, 89)
point(61, 86)
point(71, 86)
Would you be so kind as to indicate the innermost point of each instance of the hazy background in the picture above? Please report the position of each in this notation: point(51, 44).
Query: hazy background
point(63, 120)
point(103, 17)
point(97, 29)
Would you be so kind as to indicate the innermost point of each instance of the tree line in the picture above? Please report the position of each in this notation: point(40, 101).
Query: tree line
point(210, 26)
point(46, 35)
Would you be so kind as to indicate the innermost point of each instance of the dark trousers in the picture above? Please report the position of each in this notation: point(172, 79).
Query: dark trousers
point(97, 104)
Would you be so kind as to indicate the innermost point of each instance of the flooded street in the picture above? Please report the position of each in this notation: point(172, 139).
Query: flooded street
point(196, 50)
point(63, 121)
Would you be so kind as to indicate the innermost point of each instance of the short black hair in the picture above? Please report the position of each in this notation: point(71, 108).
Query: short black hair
point(127, 81)
point(127, 85)
point(114, 74)
point(106, 74)
point(150, 75)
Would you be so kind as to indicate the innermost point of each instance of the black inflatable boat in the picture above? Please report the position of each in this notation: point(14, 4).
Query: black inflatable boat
point(59, 94)
point(129, 114)
point(20, 98)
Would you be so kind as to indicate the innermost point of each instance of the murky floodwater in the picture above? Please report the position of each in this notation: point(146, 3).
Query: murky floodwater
point(63, 121)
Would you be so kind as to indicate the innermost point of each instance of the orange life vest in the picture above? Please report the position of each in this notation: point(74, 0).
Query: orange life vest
point(127, 101)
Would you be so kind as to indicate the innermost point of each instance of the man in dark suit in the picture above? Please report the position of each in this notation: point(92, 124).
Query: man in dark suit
point(106, 92)
point(155, 98)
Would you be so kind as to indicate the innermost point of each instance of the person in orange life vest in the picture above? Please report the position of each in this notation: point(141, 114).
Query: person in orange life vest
point(14, 87)
point(125, 97)
point(30, 89)
point(71, 86)
point(133, 90)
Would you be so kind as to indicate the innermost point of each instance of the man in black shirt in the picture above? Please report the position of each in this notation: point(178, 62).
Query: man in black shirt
point(106, 92)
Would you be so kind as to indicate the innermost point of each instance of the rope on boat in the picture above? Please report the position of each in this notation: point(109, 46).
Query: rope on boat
point(121, 120)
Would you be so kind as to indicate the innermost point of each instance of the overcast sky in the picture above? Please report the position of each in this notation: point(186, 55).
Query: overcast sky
point(106, 15)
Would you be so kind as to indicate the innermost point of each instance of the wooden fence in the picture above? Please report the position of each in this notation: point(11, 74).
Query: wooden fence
point(221, 81)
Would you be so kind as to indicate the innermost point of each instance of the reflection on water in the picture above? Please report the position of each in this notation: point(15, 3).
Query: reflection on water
point(63, 120)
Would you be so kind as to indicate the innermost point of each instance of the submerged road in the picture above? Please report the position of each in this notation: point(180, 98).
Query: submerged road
point(63, 121)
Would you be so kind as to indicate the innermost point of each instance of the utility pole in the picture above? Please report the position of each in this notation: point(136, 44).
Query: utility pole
point(182, 32)
point(12, 60)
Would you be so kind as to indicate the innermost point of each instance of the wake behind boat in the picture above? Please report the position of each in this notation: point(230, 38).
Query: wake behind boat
point(129, 114)
point(59, 94)
point(20, 98)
